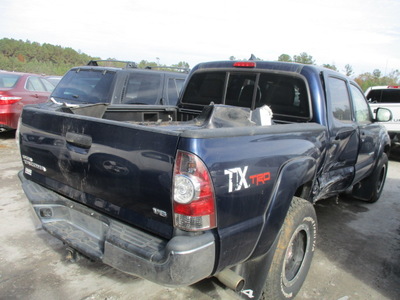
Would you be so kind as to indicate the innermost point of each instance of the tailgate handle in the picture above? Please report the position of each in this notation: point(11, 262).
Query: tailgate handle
point(79, 140)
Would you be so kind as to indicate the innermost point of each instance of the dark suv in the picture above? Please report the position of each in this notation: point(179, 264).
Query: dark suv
point(128, 85)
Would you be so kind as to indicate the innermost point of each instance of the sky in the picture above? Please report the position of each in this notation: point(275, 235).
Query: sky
point(362, 33)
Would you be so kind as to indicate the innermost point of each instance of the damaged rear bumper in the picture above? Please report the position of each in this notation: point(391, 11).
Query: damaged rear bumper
point(181, 261)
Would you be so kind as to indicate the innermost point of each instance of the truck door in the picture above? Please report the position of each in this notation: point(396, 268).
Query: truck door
point(342, 150)
point(368, 131)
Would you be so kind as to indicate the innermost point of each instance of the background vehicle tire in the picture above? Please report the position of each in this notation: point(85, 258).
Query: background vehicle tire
point(292, 258)
point(370, 188)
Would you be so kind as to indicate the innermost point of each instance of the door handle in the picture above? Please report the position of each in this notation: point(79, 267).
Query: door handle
point(79, 140)
point(344, 133)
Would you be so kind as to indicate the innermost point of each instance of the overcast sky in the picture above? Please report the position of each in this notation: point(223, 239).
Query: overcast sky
point(362, 33)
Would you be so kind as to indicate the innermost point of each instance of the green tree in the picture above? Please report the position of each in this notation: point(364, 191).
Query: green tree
point(368, 79)
point(377, 73)
point(332, 67)
point(27, 56)
point(285, 57)
point(182, 64)
point(17, 55)
point(144, 63)
point(304, 58)
point(348, 70)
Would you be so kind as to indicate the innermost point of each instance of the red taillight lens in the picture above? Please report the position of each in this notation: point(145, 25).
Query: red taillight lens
point(193, 194)
point(245, 64)
point(7, 98)
point(394, 86)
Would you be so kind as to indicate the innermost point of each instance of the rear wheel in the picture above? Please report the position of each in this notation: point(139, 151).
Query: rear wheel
point(292, 258)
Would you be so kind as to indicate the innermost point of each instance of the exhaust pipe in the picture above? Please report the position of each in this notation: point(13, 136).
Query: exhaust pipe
point(231, 279)
point(72, 255)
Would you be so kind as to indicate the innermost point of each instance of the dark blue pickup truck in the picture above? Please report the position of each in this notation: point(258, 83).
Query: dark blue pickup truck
point(215, 186)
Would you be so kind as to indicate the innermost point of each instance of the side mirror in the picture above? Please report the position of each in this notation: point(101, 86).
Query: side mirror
point(383, 114)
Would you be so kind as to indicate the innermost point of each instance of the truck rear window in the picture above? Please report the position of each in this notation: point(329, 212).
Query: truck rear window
point(8, 80)
point(85, 86)
point(286, 95)
point(384, 96)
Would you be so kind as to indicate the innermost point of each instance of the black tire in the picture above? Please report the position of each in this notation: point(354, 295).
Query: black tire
point(370, 188)
point(379, 178)
point(293, 255)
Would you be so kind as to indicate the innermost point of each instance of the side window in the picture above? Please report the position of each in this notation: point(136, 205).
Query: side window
point(179, 84)
point(48, 86)
point(172, 91)
point(340, 100)
point(34, 84)
point(142, 88)
point(361, 107)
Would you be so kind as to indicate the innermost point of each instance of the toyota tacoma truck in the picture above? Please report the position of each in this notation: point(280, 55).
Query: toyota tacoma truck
point(221, 185)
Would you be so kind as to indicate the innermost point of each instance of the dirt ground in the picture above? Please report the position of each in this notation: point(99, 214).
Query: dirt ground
point(357, 256)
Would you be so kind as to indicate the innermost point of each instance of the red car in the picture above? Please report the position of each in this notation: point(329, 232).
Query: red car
point(17, 90)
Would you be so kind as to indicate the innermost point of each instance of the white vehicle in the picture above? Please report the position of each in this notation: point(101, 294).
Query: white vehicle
point(388, 97)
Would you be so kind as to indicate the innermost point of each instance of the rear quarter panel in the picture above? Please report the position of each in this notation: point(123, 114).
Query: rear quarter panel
point(255, 176)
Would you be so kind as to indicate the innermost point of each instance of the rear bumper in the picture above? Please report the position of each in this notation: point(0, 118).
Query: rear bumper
point(8, 120)
point(181, 261)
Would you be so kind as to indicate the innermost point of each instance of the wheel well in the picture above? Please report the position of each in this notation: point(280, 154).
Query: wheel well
point(387, 150)
point(304, 191)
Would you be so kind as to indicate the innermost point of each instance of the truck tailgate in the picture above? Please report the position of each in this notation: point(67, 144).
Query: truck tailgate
point(121, 169)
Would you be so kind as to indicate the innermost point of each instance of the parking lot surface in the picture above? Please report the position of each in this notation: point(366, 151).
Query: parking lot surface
point(357, 256)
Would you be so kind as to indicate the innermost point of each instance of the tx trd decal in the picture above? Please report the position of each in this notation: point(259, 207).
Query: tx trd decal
point(238, 178)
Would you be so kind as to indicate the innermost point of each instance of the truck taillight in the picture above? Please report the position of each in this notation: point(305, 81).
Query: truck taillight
point(7, 98)
point(193, 194)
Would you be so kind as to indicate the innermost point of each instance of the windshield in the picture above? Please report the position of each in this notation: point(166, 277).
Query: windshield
point(8, 80)
point(85, 86)
point(286, 95)
point(384, 96)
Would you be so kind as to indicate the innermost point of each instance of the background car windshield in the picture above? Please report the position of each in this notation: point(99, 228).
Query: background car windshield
point(85, 86)
point(8, 80)
point(384, 96)
point(142, 88)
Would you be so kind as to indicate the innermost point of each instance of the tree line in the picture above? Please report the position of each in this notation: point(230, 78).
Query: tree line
point(365, 80)
point(33, 57)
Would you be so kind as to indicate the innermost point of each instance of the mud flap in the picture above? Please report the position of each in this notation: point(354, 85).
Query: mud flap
point(255, 272)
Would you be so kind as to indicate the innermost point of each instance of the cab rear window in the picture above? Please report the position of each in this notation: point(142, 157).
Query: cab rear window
point(286, 95)
point(384, 96)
